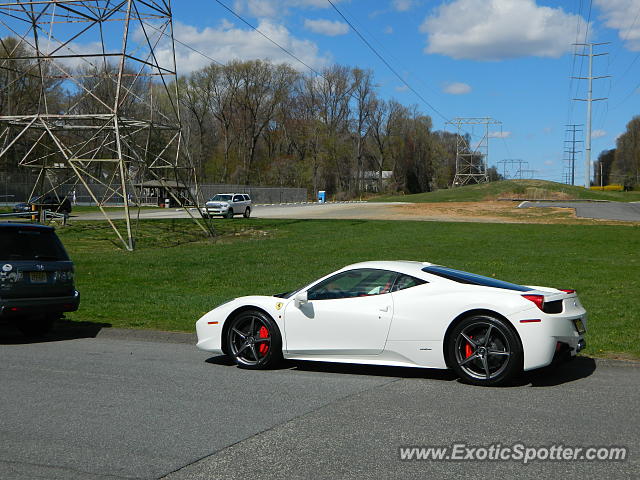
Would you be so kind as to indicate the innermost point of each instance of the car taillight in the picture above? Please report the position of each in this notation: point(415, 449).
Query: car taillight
point(567, 290)
point(537, 299)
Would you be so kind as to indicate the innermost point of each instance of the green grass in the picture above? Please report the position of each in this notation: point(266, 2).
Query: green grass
point(532, 189)
point(175, 275)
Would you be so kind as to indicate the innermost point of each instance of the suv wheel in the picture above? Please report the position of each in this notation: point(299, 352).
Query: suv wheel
point(247, 213)
point(35, 326)
point(229, 213)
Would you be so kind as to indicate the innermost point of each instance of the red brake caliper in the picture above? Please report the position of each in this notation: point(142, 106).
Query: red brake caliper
point(468, 351)
point(264, 347)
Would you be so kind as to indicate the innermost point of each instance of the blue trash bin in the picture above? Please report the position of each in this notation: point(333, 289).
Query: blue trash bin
point(322, 196)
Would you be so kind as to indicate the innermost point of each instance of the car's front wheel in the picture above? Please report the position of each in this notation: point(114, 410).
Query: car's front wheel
point(254, 341)
point(484, 350)
point(229, 213)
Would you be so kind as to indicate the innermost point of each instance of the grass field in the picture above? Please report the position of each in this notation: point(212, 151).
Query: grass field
point(175, 275)
point(530, 189)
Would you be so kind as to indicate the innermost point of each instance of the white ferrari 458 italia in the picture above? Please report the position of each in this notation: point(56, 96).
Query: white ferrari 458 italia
point(403, 313)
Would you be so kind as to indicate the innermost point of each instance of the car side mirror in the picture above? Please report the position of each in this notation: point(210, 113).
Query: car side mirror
point(301, 298)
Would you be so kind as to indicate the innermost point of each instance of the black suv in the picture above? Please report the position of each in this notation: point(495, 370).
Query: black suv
point(36, 277)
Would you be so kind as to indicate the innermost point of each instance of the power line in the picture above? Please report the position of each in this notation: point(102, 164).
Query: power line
point(626, 37)
point(246, 22)
point(184, 44)
point(389, 53)
point(385, 62)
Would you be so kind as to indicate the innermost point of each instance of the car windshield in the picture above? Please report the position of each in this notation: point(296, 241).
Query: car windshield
point(221, 198)
point(472, 279)
point(30, 244)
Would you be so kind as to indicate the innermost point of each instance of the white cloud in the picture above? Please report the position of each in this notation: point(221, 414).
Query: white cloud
point(403, 5)
point(548, 163)
point(401, 88)
point(227, 42)
point(598, 133)
point(276, 8)
point(457, 88)
point(499, 134)
point(499, 29)
point(388, 30)
point(326, 27)
point(621, 15)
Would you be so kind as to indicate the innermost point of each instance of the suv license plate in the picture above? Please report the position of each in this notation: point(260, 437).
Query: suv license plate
point(38, 277)
point(579, 326)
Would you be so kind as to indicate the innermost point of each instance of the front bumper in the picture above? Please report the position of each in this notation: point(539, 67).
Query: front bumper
point(16, 307)
point(215, 210)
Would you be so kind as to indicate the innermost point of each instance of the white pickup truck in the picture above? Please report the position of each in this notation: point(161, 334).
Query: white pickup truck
point(227, 205)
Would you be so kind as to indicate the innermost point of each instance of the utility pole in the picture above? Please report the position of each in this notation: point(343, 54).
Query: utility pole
point(589, 99)
point(572, 129)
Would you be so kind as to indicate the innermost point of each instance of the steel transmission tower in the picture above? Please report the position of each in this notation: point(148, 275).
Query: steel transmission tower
point(570, 150)
point(519, 165)
point(589, 100)
point(120, 130)
point(471, 158)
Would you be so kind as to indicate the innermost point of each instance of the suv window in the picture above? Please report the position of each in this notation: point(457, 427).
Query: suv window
point(472, 279)
point(30, 244)
point(238, 198)
point(406, 281)
point(246, 198)
point(353, 283)
point(220, 198)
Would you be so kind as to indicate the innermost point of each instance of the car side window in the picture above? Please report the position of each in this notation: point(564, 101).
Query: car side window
point(406, 281)
point(238, 198)
point(353, 283)
point(246, 198)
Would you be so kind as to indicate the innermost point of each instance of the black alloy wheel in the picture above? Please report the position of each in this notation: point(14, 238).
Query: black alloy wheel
point(484, 350)
point(254, 340)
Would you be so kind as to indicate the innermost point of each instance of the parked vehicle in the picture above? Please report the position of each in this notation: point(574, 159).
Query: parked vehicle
point(36, 277)
point(227, 205)
point(45, 202)
point(401, 313)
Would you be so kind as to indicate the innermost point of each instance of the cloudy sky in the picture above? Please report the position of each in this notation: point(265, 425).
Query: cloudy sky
point(507, 59)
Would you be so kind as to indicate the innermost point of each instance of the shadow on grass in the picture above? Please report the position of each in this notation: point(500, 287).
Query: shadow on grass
point(579, 368)
point(62, 330)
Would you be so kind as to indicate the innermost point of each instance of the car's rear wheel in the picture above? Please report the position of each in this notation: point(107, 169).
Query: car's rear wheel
point(254, 341)
point(484, 350)
point(247, 213)
point(229, 213)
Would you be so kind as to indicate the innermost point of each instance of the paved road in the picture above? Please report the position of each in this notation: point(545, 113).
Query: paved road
point(110, 407)
point(602, 210)
point(359, 210)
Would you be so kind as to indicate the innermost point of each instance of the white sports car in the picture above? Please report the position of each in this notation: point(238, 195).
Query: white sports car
point(403, 314)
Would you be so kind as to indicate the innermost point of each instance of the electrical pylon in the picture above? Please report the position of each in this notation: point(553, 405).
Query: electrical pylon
point(121, 125)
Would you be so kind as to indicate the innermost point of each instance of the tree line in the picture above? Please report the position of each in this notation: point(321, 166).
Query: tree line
point(259, 123)
point(621, 165)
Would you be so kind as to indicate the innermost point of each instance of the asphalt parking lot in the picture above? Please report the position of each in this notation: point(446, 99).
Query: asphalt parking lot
point(153, 406)
point(629, 212)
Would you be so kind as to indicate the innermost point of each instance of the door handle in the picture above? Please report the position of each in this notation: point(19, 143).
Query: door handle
point(384, 309)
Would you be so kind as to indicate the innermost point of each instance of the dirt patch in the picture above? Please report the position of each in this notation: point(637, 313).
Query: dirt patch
point(491, 211)
point(534, 193)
